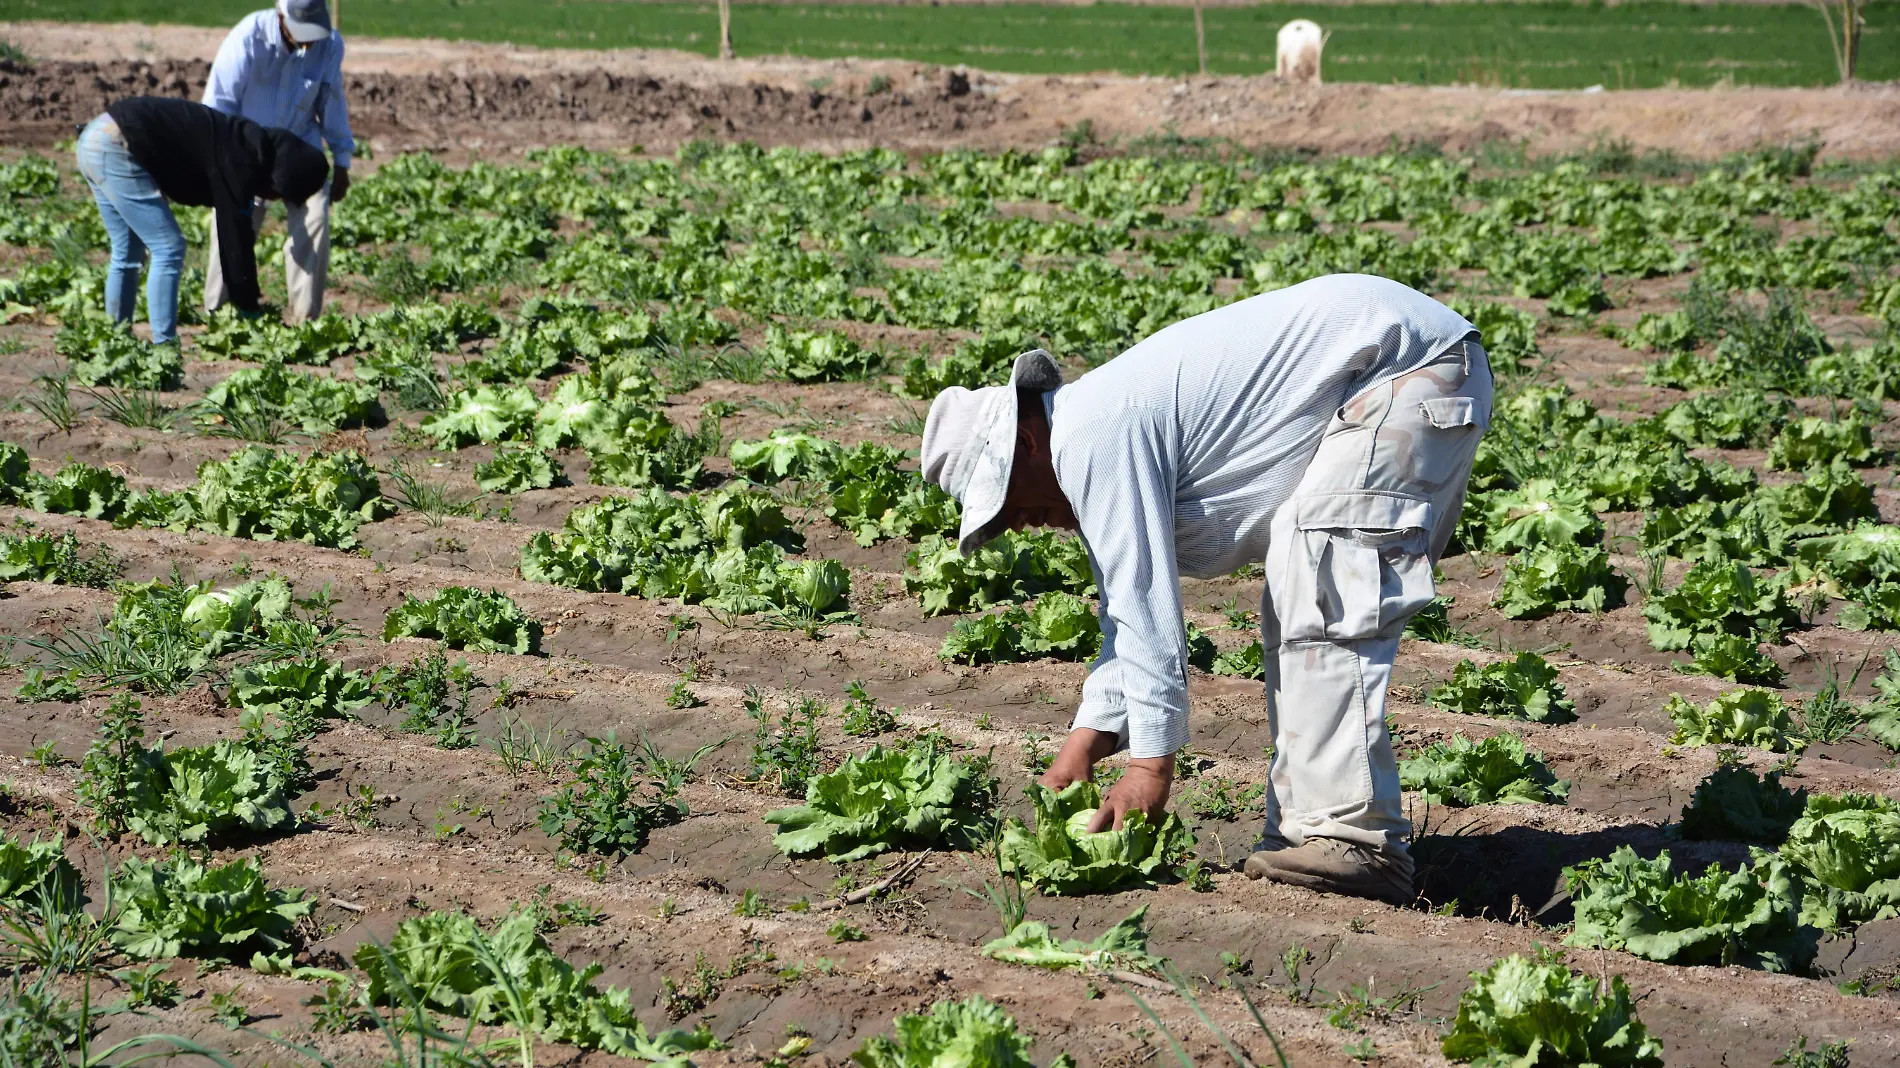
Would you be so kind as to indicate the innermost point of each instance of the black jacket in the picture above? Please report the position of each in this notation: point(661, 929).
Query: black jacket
point(205, 158)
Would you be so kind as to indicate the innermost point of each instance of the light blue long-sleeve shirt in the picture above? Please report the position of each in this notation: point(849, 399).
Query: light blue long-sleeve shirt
point(1176, 454)
point(259, 76)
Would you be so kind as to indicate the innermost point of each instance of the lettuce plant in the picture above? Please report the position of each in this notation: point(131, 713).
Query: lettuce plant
point(103, 353)
point(972, 1034)
point(36, 873)
point(1847, 847)
point(178, 907)
point(1523, 688)
point(1011, 567)
point(1807, 442)
point(76, 489)
point(316, 403)
point(1495, 771)
point(1059, 625)
point(1123, 947)
point(517, 469)
point(785, 454)
point(1749, 917)
point(1246, 662)
point(817, 356)
point(1756, 718)
point(1060, 856)
point(36, 557)
point(656, 544)
point(913, 797)
point(509, 975)
point(1718, 597)
point(267, 495)
point(1558, 578)
point(485, 415)
point(1539, 513)
point(874, 498)
point(462, 617)
point(1524, 1012)
point(307, 689)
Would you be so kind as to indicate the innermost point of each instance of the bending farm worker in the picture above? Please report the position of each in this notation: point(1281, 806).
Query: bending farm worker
point(1326, 431)
point(284, 68)
point(146, 151)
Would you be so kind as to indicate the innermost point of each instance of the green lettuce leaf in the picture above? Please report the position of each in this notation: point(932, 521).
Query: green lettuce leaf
point(1122, 947)
point(1847, 847)
point(178, 907)
point(1524, 688)
point(1495, 771)
point(1749, 917)
point(1060, 856)
point(1523, 1013)
point(914, 797)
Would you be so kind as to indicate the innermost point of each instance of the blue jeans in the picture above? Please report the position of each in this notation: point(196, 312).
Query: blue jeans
point(138, 220)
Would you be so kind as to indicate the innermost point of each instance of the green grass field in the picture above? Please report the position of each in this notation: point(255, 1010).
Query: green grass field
point(1525, 45)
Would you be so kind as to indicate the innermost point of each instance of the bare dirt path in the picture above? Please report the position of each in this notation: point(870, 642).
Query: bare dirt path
point(470, 98)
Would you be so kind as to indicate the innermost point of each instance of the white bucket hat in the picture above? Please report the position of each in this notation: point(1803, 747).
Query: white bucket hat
point(307, 20)
point(970, 442)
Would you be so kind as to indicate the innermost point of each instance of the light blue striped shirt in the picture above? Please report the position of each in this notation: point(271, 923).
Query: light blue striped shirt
point(1176, 454)
point(259, 76)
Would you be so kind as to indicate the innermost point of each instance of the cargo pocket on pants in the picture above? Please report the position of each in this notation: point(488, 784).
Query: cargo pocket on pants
point(1357, 567)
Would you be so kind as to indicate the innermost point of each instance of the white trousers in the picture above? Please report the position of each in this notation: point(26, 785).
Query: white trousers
point(1349, 562)
point(306, 257)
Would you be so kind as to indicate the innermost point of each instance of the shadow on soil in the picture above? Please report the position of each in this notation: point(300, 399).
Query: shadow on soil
point(1516, 873)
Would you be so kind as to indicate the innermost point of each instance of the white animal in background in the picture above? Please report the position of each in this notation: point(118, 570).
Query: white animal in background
point(1300, 44)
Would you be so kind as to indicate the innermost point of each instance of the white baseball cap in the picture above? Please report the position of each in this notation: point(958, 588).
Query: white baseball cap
point(307, 20)
point(970, 442)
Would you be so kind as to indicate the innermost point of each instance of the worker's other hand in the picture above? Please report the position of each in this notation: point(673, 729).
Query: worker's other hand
point(1143, 788)
point(339, 183)
point(1078, 756)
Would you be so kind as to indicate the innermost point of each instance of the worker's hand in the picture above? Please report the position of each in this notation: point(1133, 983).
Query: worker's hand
point(339, 183)
point(1076, 761)
point(1143, 788)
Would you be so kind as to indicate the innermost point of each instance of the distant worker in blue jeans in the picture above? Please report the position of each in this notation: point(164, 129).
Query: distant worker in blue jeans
point(145, 151)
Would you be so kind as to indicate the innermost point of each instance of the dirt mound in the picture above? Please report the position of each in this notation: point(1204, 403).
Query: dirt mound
point(47, 100)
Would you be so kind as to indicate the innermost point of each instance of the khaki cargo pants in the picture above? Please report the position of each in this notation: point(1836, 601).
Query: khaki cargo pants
point(1350, 561)
point(306, 257)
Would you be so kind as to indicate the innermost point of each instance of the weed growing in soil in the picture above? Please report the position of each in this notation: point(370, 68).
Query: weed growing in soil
point(863, 716)
point(1798, 1055)
point(786, 756)
point(432, 695)
point(523, 749)
point(1223, 799)
point(1432, 624)
point(617, 796)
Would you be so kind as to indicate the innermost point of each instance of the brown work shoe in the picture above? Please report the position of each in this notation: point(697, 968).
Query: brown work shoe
point(1335, 866)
